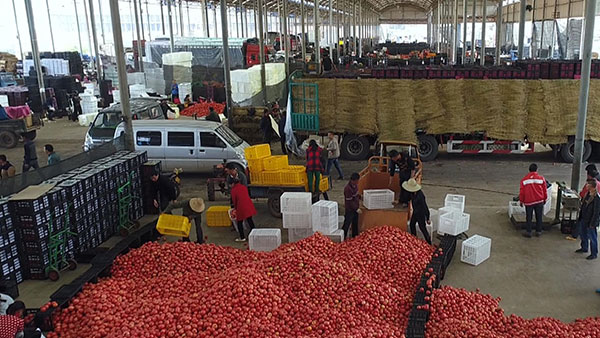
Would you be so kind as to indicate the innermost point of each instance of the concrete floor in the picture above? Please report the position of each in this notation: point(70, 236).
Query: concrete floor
point(534, 277)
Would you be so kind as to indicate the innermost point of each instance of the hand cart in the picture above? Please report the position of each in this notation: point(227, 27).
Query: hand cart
point(567, 209)
point(125, 196)
point(59, 256)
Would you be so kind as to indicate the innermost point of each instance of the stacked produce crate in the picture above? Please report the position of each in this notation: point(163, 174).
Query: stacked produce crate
point(274, 170)
point(297, 214)
point(451, 218)
point(78, 214)
point(10, 262)
point(264, 239)
point(325, 220)
point(378, 199)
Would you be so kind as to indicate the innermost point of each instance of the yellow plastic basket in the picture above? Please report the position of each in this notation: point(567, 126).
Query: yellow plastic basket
point(324, 184)
point(256, 177)
point(173, 225)
point(256, 165)
point(257, 151)
point(271, 178)
point(292, 177)
point(277, 162)
point(218, 216)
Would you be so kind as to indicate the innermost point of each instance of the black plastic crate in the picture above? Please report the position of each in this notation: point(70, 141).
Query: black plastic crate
point(36, 273)
point(90, 194)
point(72, 187)
point(8, 238)
point(30, 207)
point(35, 248)
point(41, 217)
point(57, 195)
point(5, 209)
point(6, 224)
point(62, 177)
point(35, 234)
point(37, 261)
point(10, 266)
point(8, 252)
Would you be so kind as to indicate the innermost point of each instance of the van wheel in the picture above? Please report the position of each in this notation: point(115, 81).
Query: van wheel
point(355, 148)
point(567, 150)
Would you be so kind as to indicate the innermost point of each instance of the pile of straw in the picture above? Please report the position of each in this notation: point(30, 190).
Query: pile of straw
point(543, 110)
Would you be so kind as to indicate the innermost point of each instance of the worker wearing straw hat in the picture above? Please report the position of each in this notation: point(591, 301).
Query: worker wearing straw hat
point(192, 209)
point(420, 212)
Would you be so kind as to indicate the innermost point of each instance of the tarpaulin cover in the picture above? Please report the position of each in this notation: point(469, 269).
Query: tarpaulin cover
point(19, 112)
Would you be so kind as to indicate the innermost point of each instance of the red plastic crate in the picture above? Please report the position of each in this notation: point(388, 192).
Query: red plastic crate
point(391, 73)
point(406, 73)
point(420, 74)
point(434, 73)
point(378, 73)
point(476, 73)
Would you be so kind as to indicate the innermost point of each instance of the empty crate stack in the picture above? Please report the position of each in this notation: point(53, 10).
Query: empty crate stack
point(296, 208)
point(264, 239)
point(325, 220)
point(451, 218)
point(12, 269)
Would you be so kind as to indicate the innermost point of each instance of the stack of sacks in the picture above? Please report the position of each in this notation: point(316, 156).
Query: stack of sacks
point(297, 214)
point(325, 220)
point(178, 67)
point(451, 218)
point(274, 73)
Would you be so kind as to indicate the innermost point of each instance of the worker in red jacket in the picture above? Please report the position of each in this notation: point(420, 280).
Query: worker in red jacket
point(533, 194)
point(243, 208)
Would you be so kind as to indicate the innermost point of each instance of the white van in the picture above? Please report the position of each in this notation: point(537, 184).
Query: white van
point(193, 145)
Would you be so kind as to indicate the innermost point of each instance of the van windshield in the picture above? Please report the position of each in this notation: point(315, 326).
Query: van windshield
point(229, 136)
point(105, 124)
point(107, 121)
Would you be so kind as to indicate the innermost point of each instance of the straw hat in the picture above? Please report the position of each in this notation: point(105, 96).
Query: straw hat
point(197, 204)
point(411, 185)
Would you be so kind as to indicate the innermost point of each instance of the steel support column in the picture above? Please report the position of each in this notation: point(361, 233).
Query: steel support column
point(473, 46)
point(95, 38)
point(139, 36)
point(35, 50)
point(148, 21)
point(464, 33)
point(522, 9)
point(588, 40)
point(87, 23)
point(170, 20)
point(142, 20)
point(122, 73)
point(261, 46)
point(483, 22)
point(102, 20)
point(50, 24)
point(225, 38)
point(317, 51)
point(498, 33)
point(162, 17)
point(302, 21)
point(19, 34)
point(205, 18)
point(455, 33)
point(286, 38)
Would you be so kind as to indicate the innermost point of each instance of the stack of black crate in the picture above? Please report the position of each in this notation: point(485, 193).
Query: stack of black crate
point(12, 269)
point(38, 219)
point(85, 199)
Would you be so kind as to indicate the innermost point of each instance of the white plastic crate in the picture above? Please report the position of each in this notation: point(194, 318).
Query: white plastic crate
point(455, 201)
point(264, 239)
point(378, 198)
point(442, 211)
point(336, 236)
point(548, 204)
point(515, 208)
point(295, 221)
point(476, 250)
point(454, 223)
point(295, 235)
point(295, 202)
point(433, 216)
point(325, 217)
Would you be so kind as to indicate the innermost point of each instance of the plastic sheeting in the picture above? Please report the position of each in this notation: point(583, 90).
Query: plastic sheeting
point(206, 52)
point(246, 83)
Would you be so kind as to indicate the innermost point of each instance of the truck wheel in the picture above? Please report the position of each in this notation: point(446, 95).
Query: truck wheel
point(428, 147)
point(355, 148)
point(567, 150)
point(273, 203)
point(8, 139)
